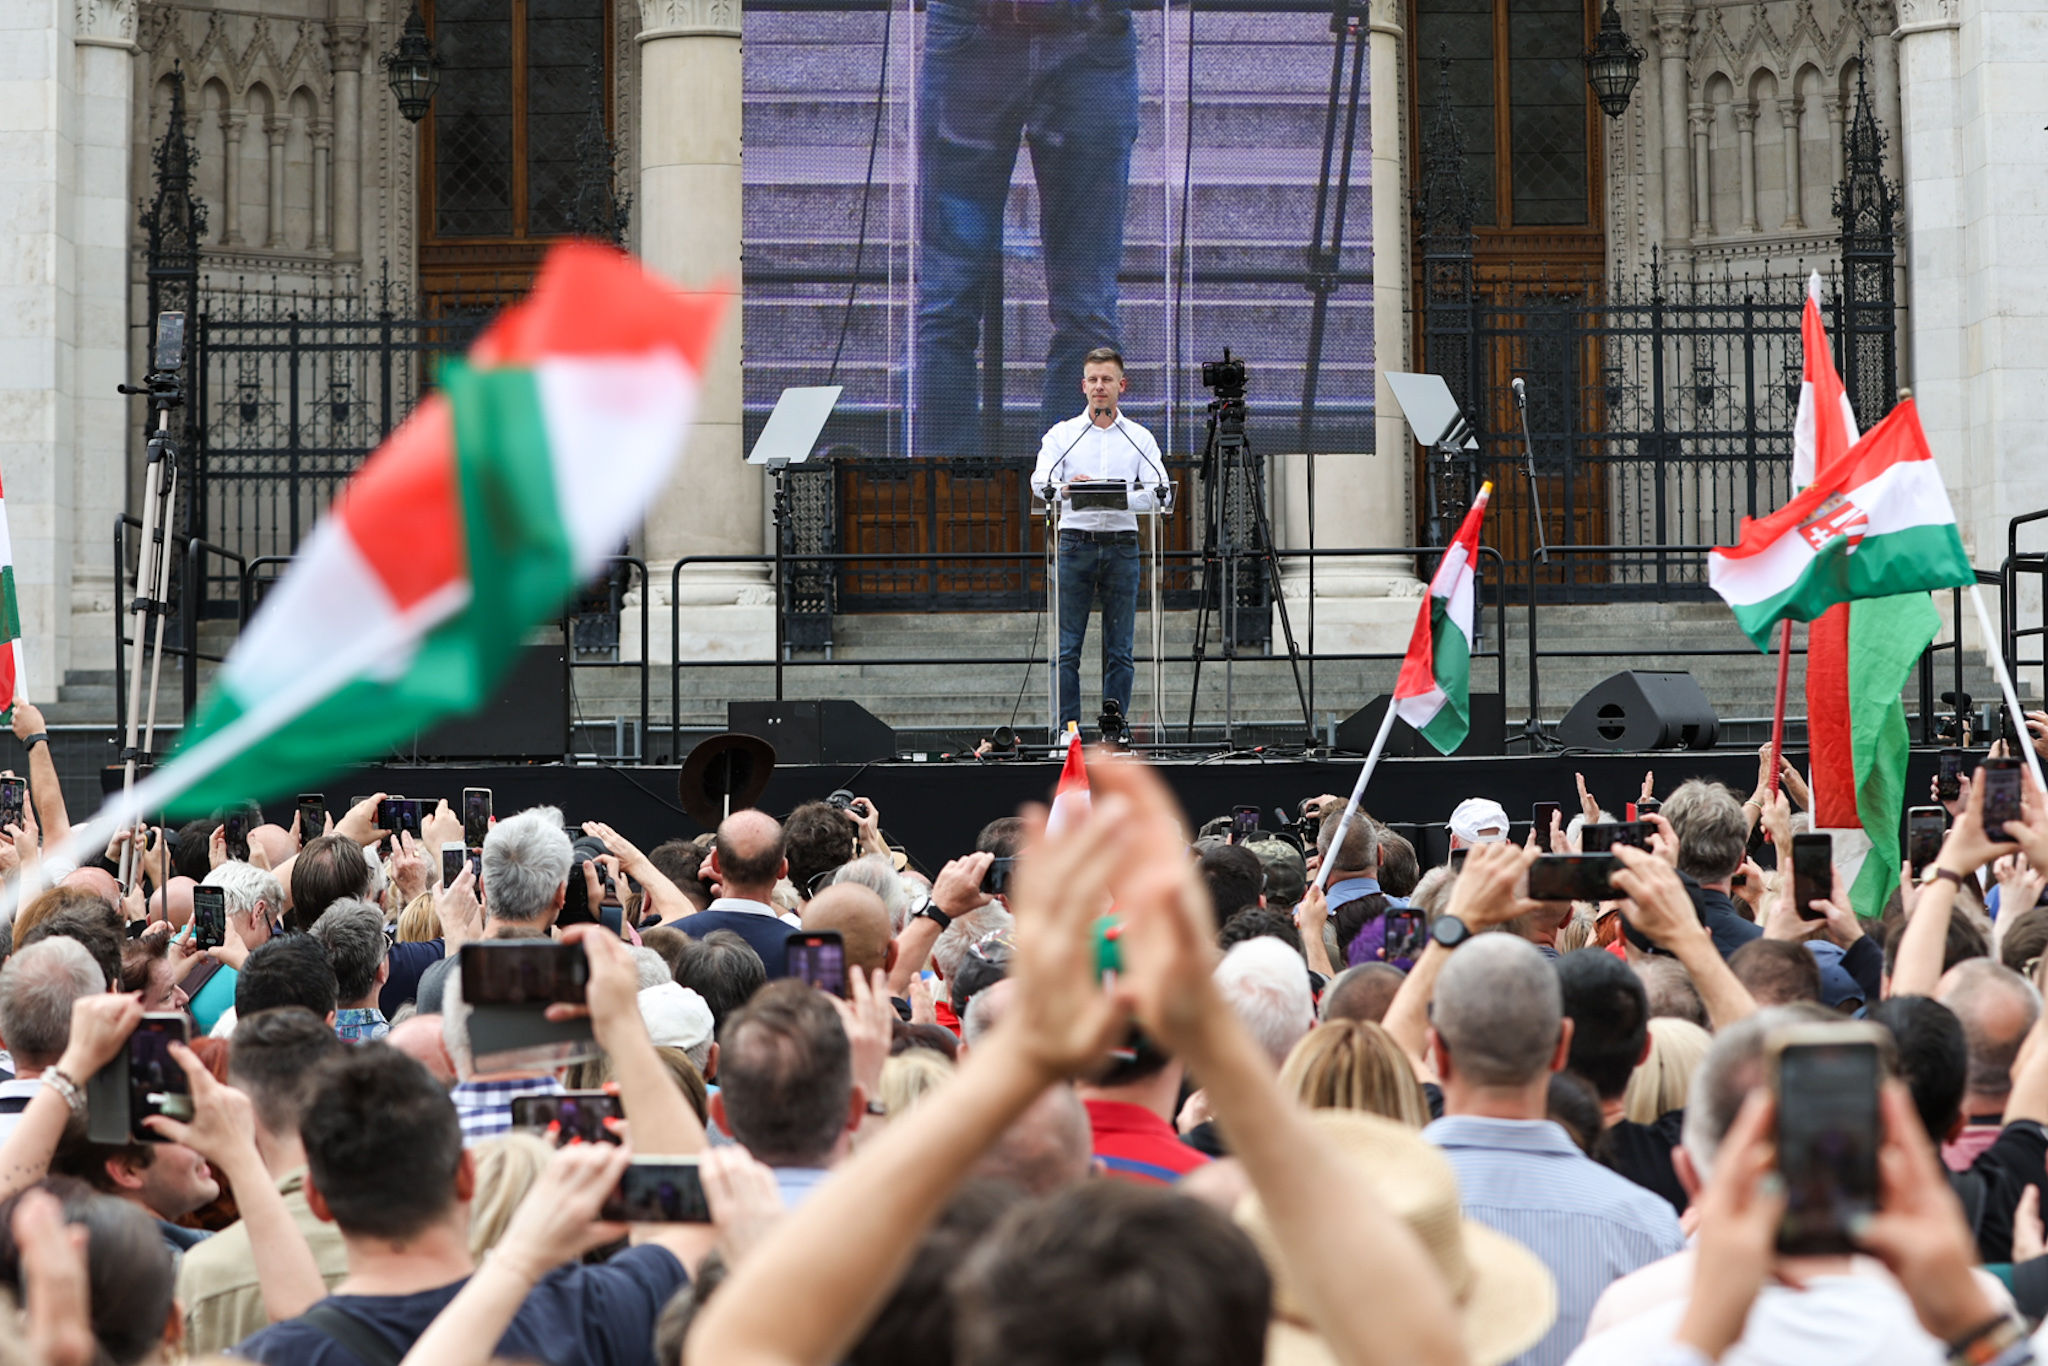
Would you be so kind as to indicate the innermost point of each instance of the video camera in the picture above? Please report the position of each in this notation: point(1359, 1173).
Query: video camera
point(1225, 376)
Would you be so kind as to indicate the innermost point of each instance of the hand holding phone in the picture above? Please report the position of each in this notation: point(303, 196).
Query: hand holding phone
point(209, 917)
point(453, 856)
point(157, 1085)
point(1948, 775)
point(1826, 1078)
point(1540, 817)
point(658, 1190)
point(13, 801)
point(1572, 877)
point(2001, 779)
point(1925, 825)
point(1813, 873)
point(476, 816)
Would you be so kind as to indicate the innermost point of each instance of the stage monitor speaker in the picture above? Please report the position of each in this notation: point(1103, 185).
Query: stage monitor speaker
point(527, 718)
point(1488, 733)
point(1636, 711)
point(831, 730)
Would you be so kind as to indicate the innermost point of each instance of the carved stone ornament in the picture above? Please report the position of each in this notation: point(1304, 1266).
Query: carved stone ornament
point(106, 23)
point(1919, 16)
point(689, 18)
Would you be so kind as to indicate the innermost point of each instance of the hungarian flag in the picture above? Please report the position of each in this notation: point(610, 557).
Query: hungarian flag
point(475, 521)
point(1071, 801)
point(1825, 427)
point(1433, 690)
point(10, 626)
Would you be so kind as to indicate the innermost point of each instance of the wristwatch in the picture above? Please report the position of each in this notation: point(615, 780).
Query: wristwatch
point(930, 911)
point(1450, 931)
point(41, 737)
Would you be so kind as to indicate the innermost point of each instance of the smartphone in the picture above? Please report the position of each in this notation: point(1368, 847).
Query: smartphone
point(1648, 806)
point(2001, 779)
point(411, 811)
point(817, 957)
point(13, 800)
point(156, 1084)
point(387, 813)
point(1458, 859)
point(1601, 836)
point(523, 972)
point(1244, 823)
point(1925, 826)
point(1539, 817)
point(312, 816)
point(1407, 933)
point(453, 856)
point(1572, 877)
point(209, 917)
point(1826, 1077)
point(476, 815)
point(996, 881)
point(582, 1114)
point(658, 1190)
point(170, 341)
point(1813, 872)
point(1948, 777)
point(235, 832)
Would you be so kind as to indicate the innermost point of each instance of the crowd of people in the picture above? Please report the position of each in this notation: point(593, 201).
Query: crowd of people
point(1135, 1091)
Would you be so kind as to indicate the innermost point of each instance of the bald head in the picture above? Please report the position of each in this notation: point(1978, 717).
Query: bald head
point(419, 1037)
point(276, 843)
point(747, 855)
point(1047, 1147)
point(1997, 1007)
point(862, 920)
point(1498, 1010)
point(1363, 993)
point(177, 901)
point(105, 886)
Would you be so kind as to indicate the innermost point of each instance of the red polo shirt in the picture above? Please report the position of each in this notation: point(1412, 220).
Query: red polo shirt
point(1133, 1144)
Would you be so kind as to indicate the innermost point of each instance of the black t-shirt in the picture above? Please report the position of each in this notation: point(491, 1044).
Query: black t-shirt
point(1642, 1153)
point(1992, 1187)
point(576, 1316)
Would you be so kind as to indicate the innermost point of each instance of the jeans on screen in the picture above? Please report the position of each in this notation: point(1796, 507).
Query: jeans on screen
point(1069, 84)
point(1087, 569)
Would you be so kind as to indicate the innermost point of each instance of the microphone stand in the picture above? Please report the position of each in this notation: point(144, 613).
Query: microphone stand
point(1534, 729)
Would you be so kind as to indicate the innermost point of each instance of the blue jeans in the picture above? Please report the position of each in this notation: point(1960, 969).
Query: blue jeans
point(1087, 569)
point(1072, 90)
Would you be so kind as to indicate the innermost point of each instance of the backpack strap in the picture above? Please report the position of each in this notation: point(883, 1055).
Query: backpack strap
point(361, 1341)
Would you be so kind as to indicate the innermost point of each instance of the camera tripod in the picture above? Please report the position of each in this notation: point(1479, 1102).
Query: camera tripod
point(1236, 528)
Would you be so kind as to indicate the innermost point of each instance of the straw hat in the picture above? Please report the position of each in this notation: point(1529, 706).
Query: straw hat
point(1505, 1296)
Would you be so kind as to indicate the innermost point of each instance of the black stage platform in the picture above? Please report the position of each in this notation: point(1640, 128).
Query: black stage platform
point(935, 809)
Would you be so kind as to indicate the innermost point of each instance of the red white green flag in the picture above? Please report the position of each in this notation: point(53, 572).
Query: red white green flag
point(472, 523)
point(1825, 427)
point(1071, 800)
point(10, 625)
point(1433, 690)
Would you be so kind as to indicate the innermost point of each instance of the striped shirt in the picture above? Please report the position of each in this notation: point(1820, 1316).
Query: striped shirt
point(485, 1107)
point(1526, 1179)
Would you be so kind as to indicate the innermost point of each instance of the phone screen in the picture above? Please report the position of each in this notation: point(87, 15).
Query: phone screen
point(1572, 877)
point(1244, 823)
point(13, 799)
point(476, 815)
point(1948, 779)
point(1813, 873)
point(1648, 806)
point(996, 881)
point(658, 1191)
point(409, 817)
point(1601, 836)
point(2001, 778)
point(1407, 933)
point(156, 1084)
point(1827, 1143)
point(1925, 826)
point(453, 856)
point(819, 959)
point(1539, 816)
point(387, 813)
point(523, 973)
point(209, 917)
point(312, 816)
point(235, 832)
point(582, 1114)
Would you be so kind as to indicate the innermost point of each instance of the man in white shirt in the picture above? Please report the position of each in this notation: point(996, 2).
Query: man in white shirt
point(1098, 548)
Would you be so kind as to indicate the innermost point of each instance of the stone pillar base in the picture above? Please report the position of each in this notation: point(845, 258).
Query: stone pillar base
point(1362, 610)
point(727, 612)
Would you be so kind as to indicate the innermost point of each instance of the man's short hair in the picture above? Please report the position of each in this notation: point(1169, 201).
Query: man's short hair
point(1266, 985)
point(273, 1057)
point(1361, 850)
point(245, 886)
point(914, 1326)
point(192, 848)
point(678, 860)
point(352, 932)
point(724, 969)
point(1498, 1011)
point(37, 987)
point(1734, 1067)
point(1107, 1271)
point(2025, 941)
point(1362, 993)
point(326, 870)
point(287, 970)
point(1670, 991)
point(1776, 971)
point(1976, 992)
point(526, 861)
point(1103, 355)
point(382, 1142)
point(1255, 922)
point(131, 1275)
point(817, 839)
point(1236, 878)
point(1610, 1016)
point(785, 1070)
point(1713, 834)
point(1003, 837)
point(92, 923)
point(1934, 1057)
point(744, 867)
point(1400, 869)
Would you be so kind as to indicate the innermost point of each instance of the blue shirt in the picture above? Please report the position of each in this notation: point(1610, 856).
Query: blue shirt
point(485, 1107)
point(360, 1024)
point(1590, 1226)
point(767, 934)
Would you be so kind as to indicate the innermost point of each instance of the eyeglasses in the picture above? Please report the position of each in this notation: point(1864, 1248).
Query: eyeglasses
point(819, 880)
point(994, 947)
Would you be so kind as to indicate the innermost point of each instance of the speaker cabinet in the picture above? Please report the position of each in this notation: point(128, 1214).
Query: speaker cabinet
point(1487, 735)
point(528, 717)
point(831, 730)
point(1636, 711)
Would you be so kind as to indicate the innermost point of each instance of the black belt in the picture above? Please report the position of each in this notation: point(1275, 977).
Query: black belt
point(1102, 537)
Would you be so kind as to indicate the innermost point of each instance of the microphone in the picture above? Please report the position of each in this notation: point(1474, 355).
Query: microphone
point(1051, 480)
point(1521, 394)
point(1160, 490)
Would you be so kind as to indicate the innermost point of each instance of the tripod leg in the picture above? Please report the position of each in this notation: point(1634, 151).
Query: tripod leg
point(1263, 529)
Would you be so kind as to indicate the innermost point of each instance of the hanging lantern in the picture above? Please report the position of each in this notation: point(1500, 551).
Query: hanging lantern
point(1614, 64)
point(413, 68)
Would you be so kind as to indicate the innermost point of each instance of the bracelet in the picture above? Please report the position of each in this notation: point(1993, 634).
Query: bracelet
point(41, 737)
point(55, 1079)
point(1988, 1344)
point(1948, 875)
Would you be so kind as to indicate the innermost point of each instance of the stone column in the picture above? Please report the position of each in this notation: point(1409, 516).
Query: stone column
point(1674, 28)
point(688, 217)
point(231, 124)
point(1788, 118)
point(1838, 162)
point(275, 126)
point(322, 131)
point(345, 47)
point(1745, 156)
point(1699, 119)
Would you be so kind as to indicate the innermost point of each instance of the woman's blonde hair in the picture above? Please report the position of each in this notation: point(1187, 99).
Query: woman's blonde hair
point(1660, 1082)
point(506, 1168)
point(417, 923)
point(910, 1076)
point(1354, 1065)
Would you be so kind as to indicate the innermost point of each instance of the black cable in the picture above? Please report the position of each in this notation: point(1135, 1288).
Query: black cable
point(1037, 628)
point(860, 247)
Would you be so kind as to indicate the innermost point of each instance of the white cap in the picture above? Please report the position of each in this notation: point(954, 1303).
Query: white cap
point(1479, 820)
point(676, 1016)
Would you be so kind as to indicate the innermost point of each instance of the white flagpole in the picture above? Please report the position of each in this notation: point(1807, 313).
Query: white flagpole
point(1372, 760)
point(1994, 650)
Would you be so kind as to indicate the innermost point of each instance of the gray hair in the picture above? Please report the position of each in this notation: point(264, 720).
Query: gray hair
point(455, 1014)
point(1734, 1067)
point(245, 886)
point(1498, 1010)
point(1266, 983)
point(1976, 989)
point(652, 967)
point(1713, 834)
point(876, 873)
point(352, 932)
point(985, 1010)
point(37, 987)
point(958, 937)
point(1361, 843)
point(526, 861)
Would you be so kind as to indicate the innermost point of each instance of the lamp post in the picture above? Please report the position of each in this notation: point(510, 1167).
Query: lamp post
point(1613, 64)
point(413, 68)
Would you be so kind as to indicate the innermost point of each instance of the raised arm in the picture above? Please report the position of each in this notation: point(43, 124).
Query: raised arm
point(43, 787)
point(663, 1123)
point(956, 892)
point(662, 894)
point(1924, 942)
point(1488, 892)
point(100, 1026)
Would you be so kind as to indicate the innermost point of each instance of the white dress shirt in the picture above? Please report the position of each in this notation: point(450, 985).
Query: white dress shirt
point(1123, 450)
